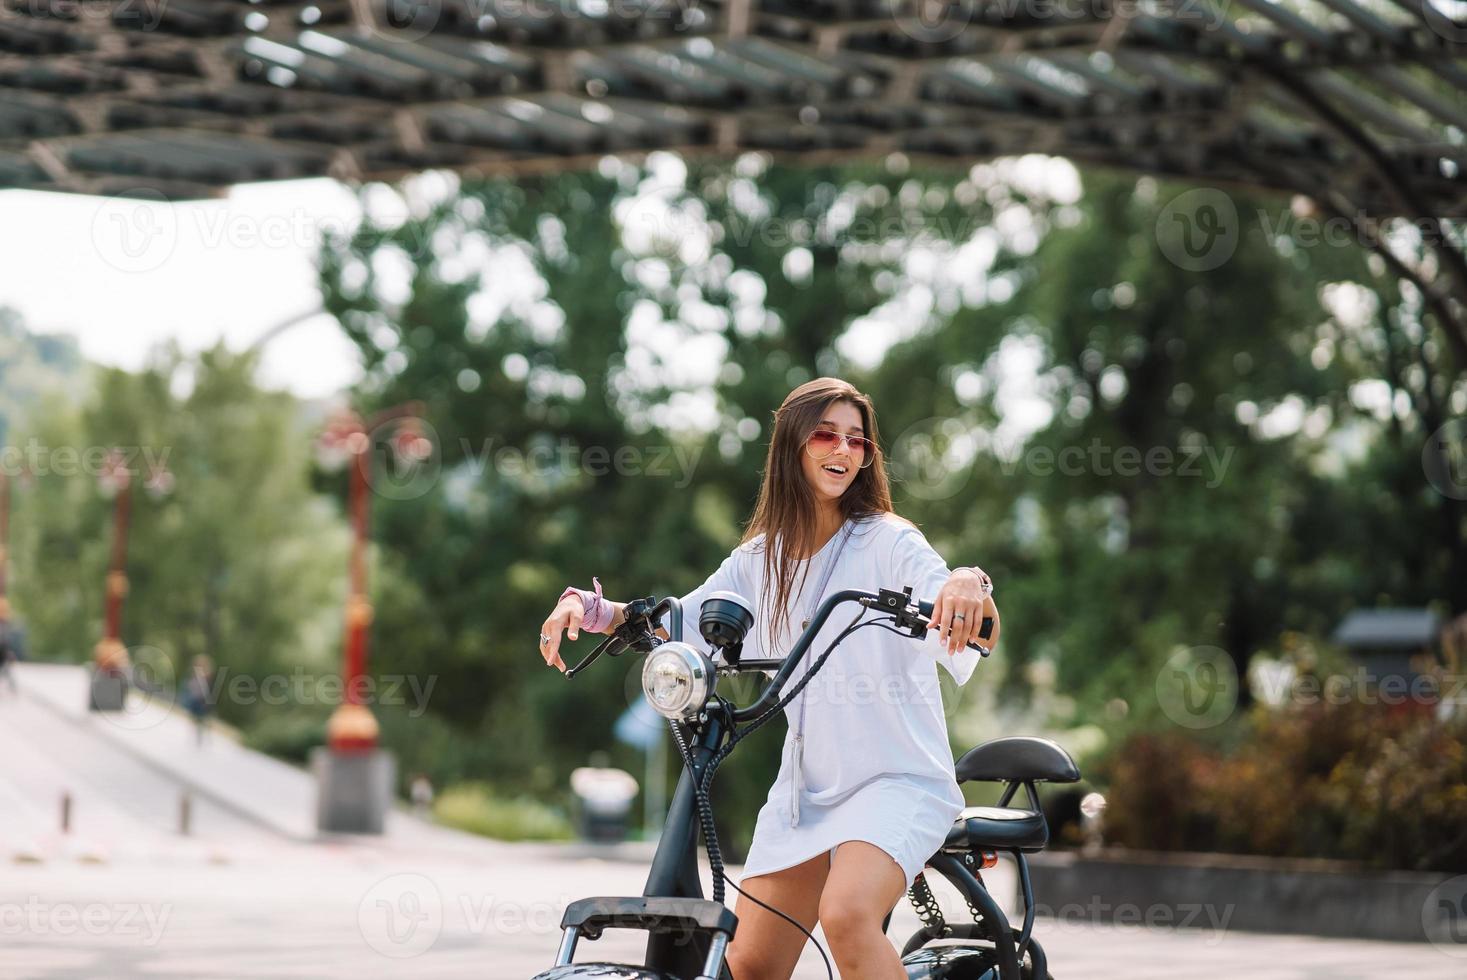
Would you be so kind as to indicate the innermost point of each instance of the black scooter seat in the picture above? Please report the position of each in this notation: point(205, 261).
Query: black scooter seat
point(997, 826)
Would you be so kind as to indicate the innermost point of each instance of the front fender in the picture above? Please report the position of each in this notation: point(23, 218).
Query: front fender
point(951, 963)
point(602, 971)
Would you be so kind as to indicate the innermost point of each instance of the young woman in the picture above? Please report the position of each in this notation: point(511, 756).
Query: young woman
point(865, 791)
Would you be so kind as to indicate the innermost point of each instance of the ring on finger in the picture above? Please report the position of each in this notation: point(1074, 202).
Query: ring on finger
point(544, 639)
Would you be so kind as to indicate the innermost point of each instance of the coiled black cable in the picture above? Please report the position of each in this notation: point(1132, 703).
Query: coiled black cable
point(715, 857)
point(702, 786)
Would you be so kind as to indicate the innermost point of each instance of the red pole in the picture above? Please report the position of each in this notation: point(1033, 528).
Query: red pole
point(356, 626)
point(352, 727)
point(117, 575)
point(110, 654)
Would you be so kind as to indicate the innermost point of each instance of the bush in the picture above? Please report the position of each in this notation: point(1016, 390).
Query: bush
point(474, 807)
point(1350, 781)
point(287, 736)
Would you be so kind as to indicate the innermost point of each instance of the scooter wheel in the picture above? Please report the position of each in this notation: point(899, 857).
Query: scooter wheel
point(602, 971)
point(960, 963)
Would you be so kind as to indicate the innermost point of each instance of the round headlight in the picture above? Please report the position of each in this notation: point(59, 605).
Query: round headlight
point(677, 680)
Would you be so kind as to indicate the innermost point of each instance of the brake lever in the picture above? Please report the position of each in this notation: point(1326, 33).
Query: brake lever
point(600, 648)
point(635, 633)
point(909, 616)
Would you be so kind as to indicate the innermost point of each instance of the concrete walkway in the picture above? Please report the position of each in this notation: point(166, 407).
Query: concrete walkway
point(317, 914)
point(136, 764)
point(254, 893)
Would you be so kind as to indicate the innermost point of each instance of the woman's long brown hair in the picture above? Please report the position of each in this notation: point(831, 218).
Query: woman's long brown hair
point(786, 511)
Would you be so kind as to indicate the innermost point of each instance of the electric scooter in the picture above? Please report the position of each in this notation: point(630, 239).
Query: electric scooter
point(688, 935)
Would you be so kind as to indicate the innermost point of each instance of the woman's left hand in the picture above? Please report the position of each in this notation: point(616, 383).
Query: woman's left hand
point(958, 610)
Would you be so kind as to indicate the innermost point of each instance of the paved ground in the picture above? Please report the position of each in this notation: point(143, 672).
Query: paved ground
point(152, 753)
point(251, 893)
point(328, 912)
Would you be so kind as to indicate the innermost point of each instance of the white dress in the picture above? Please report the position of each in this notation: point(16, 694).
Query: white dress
point(877, 763)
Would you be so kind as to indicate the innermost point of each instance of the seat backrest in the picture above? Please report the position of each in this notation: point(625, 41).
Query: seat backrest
point(1024, 758)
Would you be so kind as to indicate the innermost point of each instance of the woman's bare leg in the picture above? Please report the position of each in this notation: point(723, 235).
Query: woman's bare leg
point(766, 947)
point(863, 885)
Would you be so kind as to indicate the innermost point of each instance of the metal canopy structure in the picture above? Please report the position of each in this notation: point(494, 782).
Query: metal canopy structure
point(1360, 104)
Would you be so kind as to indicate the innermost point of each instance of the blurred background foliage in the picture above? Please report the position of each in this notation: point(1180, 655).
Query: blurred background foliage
point(663, 312)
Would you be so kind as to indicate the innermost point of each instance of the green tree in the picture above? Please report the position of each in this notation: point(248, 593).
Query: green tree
point(243, 562)
point(675, 305)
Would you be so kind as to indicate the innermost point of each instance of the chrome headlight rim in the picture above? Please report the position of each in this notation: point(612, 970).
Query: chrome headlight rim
point(689, 668)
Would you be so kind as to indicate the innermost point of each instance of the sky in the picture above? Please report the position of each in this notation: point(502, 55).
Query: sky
point(123, 276)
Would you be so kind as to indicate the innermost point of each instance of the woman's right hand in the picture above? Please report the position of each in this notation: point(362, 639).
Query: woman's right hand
point(566, 616)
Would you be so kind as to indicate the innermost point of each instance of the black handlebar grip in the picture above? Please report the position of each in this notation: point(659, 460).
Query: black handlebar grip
point(985, 630)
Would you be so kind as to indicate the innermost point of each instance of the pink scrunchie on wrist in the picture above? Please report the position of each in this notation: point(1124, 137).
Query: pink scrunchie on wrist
point(598, 614)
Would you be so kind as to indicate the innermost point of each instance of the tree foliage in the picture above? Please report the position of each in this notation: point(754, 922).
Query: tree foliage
point(631, 310)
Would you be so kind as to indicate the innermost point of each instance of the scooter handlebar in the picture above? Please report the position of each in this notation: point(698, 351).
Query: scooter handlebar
point(985, 630)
